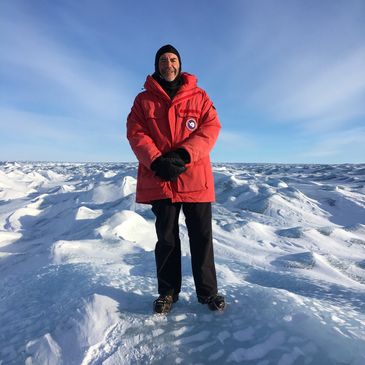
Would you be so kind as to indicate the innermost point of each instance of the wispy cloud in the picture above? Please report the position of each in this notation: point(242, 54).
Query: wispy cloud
point(334, 91)
point(234, 145)
point(300, 62)
point(233, 139)
point(97, 89)
point(32, 125)
point(337, 146)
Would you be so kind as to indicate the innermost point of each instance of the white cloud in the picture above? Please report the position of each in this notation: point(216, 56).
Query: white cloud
point(95, 88)
point(297, 63)
point(326, 91)
point(233, 146)
point(305, 91)
point(31, 125)
point(235, 139)
point(338, 146)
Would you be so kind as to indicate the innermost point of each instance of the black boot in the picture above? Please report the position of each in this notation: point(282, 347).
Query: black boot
point(163, 303)
point(215, 302)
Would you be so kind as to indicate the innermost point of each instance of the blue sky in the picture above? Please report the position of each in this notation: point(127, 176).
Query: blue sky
point(287, 77)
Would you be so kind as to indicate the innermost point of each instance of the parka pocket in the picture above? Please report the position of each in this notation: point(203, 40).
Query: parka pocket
point(147, 180)
point(159, 130)
point(193, 179)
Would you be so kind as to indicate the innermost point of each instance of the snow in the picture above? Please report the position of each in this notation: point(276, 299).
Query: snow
point(78, 272)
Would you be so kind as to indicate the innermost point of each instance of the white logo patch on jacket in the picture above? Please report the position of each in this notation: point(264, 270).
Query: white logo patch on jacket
point(191, 124)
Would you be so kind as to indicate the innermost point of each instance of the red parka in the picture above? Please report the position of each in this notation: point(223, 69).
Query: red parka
point(157, 124)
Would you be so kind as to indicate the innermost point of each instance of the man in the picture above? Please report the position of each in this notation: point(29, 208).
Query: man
point(171, 128)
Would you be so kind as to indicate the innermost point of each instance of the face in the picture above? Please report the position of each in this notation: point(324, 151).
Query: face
point(169, 66)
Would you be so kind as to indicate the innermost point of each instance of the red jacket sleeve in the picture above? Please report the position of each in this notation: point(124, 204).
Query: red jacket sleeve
point(141, 142)
point(201, 141)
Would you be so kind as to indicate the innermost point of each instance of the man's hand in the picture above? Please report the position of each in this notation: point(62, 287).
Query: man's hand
point(168, 166)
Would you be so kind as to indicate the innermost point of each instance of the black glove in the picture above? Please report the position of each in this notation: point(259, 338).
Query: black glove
point(184, 154)
point(179, 153)
point(168, 166)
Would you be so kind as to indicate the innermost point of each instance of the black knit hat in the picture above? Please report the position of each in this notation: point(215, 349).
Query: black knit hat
point(168, 48)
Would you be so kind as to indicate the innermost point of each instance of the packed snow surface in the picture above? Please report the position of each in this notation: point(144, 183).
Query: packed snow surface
point(78, 273)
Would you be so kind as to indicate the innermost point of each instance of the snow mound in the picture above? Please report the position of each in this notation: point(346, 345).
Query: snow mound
point(302, 260)
point(99, 314)
point(87, 213)
point(19, 219)
point(88, 327)
point(256, 230)
point(7, 238)
point(13, 187)
point(129, 226)
point(43, 351)
point(106, 192)
point(295, 232)
point(109, 174)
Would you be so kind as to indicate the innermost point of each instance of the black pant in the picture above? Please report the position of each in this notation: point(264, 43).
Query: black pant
point(198, 218)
